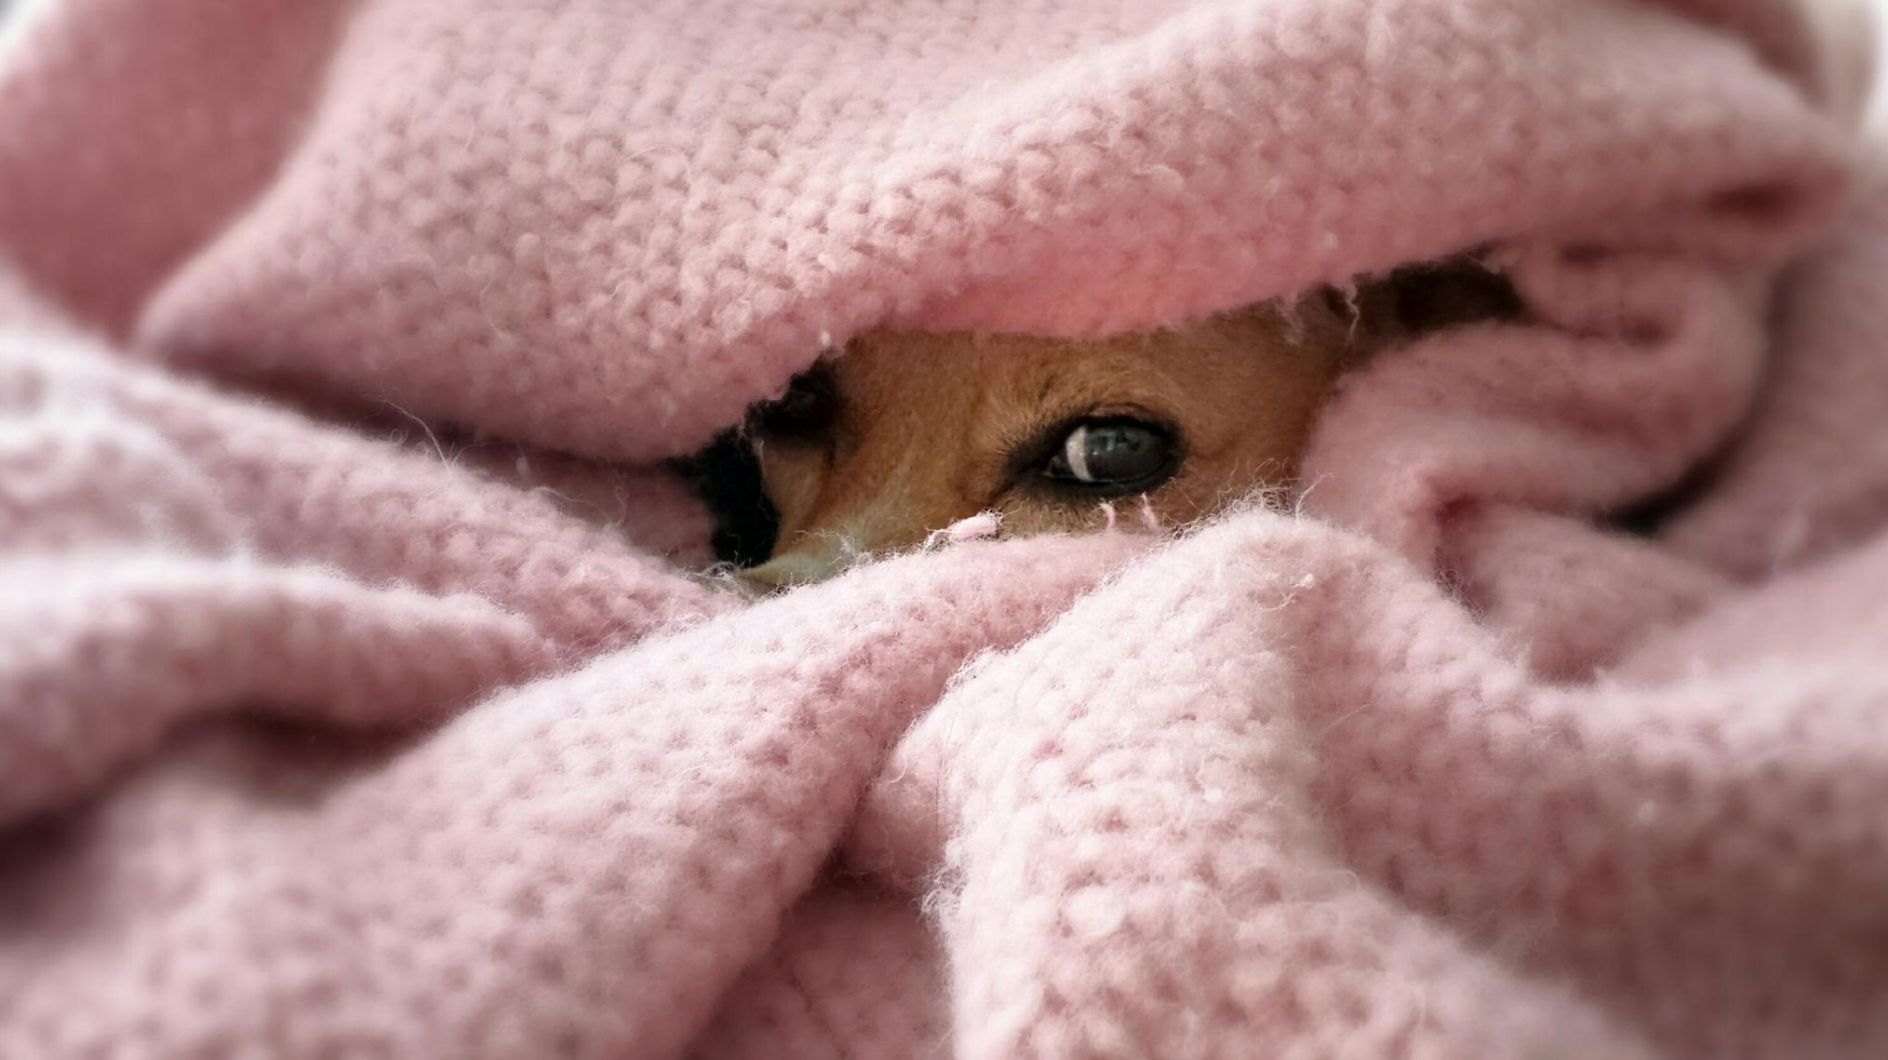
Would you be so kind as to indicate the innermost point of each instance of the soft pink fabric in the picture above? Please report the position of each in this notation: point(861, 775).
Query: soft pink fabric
point(357, 699)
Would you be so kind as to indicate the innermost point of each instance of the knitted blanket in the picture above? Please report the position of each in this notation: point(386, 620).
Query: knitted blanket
point(360, 695)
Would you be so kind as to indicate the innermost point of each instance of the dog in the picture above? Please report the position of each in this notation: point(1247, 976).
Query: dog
point(900, 434)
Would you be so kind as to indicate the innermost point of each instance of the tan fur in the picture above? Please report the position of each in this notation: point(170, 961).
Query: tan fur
point(925, 424)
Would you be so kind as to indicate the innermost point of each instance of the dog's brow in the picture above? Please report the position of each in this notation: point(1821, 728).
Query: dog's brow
point(1051, 380)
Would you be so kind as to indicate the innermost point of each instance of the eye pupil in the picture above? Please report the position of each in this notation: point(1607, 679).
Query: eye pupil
point(1116, 455)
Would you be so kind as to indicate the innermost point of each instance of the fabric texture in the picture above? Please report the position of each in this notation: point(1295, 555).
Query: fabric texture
point(361, 694)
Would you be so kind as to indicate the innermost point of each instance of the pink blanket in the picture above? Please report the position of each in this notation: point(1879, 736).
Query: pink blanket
point(356, 700)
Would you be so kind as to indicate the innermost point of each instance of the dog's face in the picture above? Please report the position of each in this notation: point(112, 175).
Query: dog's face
point(904, 433)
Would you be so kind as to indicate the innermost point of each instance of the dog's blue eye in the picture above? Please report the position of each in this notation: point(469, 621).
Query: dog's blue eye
point(1114, 456)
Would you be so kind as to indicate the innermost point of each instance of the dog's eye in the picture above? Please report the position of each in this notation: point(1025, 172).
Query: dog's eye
point(805, 411)
point(1115, 456)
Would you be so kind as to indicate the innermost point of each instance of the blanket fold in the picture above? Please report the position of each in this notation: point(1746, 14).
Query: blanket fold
point(362, 692)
